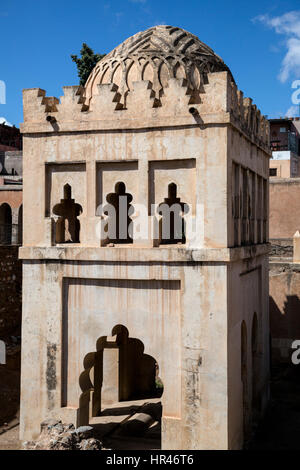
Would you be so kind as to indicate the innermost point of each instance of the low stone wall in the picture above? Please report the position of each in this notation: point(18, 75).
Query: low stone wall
point(281, 247)
point(10, 290)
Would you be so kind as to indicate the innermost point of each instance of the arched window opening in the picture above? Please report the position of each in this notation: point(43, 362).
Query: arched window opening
point(172, 225)
point(5, 224)
point(67, 228)
point(20, 225)
point(121, 381)
point(255, 371)
point(119, 210)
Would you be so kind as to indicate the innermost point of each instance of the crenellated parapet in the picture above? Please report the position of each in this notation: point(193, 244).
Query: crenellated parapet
point(37, 104)
point(216, 100)
point(247, 116)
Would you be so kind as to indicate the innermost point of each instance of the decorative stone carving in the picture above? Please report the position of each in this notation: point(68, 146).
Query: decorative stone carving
point(157, 54)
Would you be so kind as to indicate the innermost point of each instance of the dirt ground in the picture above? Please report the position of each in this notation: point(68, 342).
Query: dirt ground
point(10, 395)
point(9, 408)
point(9, 436)
point(278, 431)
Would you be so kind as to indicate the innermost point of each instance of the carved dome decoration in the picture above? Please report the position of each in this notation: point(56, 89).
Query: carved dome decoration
point(157, 54)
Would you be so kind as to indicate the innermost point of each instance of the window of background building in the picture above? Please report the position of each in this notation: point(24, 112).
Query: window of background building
point(273, 172)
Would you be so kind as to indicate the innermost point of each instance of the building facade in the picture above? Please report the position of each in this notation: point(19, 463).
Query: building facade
point(10, 138)
point(284, 141)
point(11, 208)
point(159, 123)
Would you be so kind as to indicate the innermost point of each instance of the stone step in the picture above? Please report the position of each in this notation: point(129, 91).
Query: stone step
point(125, 419)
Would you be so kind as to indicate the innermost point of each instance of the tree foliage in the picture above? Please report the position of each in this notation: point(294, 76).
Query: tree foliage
point(86, 62)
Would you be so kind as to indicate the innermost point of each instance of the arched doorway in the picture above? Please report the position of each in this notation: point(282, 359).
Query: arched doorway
point(255, 370)
point(121, 392)
point(5, 224)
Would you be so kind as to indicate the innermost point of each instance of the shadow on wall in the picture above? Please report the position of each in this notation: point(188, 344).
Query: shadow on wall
point(284, 326)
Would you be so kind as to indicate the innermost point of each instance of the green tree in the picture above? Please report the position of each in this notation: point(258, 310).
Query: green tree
point(86, 62)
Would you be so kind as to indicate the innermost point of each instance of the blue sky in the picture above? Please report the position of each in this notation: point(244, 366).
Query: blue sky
point(259, 41)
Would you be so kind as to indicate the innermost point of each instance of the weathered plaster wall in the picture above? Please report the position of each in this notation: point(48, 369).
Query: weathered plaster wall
point(182, 341)
point(245, 277)
point(284, 207)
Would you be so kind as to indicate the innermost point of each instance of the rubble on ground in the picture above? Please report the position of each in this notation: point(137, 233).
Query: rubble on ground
point(58, 436)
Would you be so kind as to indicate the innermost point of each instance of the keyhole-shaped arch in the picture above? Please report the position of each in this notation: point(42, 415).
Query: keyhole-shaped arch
point(172, 227)
point(67, 228)
point(119, 225)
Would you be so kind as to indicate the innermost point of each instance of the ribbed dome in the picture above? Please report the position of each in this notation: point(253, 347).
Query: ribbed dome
point(157, 54)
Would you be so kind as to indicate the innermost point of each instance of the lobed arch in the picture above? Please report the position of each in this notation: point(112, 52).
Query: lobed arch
point(137, 374)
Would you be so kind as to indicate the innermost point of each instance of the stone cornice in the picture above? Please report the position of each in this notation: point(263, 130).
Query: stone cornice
point(142, 255)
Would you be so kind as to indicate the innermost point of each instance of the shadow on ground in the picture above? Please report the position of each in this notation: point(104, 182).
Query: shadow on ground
point(279, 430)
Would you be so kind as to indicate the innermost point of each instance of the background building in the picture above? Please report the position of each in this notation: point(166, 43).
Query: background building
point(284, 141)
point(10, 138)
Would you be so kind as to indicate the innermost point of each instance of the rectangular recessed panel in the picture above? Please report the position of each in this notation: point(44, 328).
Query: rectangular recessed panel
point(149, 309)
